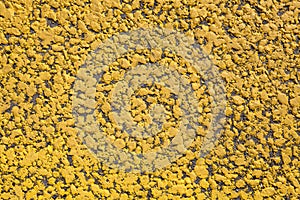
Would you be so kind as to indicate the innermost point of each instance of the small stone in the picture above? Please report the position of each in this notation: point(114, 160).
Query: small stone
point(295, 102)
point(268, 192)
point(120, 143)
point(240, 183)
point(201, 171)
point(282, 98)
point(238, 100)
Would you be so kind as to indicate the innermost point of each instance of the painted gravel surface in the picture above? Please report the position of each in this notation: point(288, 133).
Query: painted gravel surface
point(149, 99)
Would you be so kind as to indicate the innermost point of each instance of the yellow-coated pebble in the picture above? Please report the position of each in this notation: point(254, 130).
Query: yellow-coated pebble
point(120, 143)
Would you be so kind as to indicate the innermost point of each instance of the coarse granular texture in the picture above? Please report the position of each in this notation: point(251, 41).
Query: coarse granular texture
point(254, 44)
